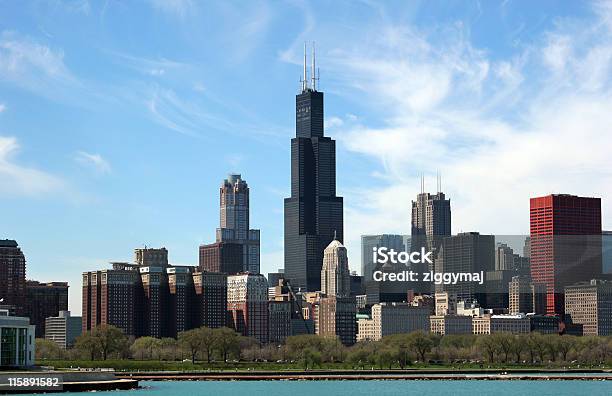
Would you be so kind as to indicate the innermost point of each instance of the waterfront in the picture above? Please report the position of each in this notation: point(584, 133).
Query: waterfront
point(380, 388)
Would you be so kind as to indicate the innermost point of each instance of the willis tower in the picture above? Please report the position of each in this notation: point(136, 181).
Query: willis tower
point(313, 213)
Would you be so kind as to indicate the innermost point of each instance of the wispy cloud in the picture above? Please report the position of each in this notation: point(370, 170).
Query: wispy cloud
point(2, 107)
point(94, 161)
point(33, 66)
point(150, 66)
point(19, 180)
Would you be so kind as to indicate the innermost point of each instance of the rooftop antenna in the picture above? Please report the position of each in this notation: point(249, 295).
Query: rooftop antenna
point(305, 78)
point(335, 236)
point(422, 183)
point(313, 69)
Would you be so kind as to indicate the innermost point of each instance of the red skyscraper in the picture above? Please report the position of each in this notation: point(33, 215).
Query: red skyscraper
point(565, 244)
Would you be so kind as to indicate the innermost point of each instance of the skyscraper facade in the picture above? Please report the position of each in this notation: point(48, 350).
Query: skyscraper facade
point(44, 300)
point(466, 252)
point(565, 244)
point(431, 222)
point(237, 246)
point(335, 275)
point(247, 303)
point(313, 212)
point(12, 275)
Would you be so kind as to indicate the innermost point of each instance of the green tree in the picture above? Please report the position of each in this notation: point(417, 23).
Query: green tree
point(422, 343)
point(208, 339)
point(226, 341)
point(110, 339)
point(47, 349)
point(191, 341)
point(487, 346)
point(169, 348)
point(565, 344)
point(146, 347)
point(88, 344)
point(504, 343)
point(517, 346)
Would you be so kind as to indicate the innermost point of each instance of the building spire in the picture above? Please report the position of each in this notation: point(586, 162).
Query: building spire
point(313, 74)
point(305, 77)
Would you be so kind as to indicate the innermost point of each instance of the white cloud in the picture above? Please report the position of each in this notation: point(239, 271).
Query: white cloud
point(2, 107)
point(93, 160)
point(18, 180)
point(499, 130)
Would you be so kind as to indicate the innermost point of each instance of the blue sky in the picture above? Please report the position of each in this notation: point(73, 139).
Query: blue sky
point(118, 120)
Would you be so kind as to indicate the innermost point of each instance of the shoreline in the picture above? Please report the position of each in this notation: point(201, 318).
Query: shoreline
point(363, 375)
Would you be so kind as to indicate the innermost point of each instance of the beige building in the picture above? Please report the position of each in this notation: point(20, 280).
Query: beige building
point(336, 316)
point(590, 304)
point(446, 303)
point(392, 318)
point(450, 324)
point(335, 274)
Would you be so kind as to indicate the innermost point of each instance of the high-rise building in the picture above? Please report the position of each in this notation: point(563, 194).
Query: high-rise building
point(606, 247)
point(467, 252)
point(313, 213)
point(590, 304)
point(279, 322)
point(156, 305)
point(392, 318)
point(565, 244)
point(335, 275)
point(63, 329)
point(12, 275)
point(336, 317)
point(520, 295)
point(226, 257)
point(371, 242)
point(247, 303)
point(211, 299)
point(182, 300)
point(113, 297)
point(44, 300)
point(431, 221)
point(237, 246)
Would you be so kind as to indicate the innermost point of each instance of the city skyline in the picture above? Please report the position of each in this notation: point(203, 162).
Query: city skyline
point(102, 170)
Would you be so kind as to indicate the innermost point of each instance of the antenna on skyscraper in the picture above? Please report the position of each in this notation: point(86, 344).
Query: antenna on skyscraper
point(422, 183)
point(305, 77)
point(313, 74)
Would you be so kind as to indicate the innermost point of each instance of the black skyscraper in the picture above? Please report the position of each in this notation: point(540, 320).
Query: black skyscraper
point(313, 213)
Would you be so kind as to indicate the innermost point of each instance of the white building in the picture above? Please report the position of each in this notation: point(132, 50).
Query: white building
point(17, 345)
point(335, 274)
point(63, 329)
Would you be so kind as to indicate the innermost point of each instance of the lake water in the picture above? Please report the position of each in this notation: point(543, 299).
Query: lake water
point(356, 388)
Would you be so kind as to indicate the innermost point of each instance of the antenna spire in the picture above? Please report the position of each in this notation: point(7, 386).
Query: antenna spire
point(313, 74)
point(305, 77)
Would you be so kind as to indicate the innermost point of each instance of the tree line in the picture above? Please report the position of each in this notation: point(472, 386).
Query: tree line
point(206, 345)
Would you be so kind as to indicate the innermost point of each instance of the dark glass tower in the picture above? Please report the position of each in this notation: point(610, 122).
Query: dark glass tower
point(313, 213)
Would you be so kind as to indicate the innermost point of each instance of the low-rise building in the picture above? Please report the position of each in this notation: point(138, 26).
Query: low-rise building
point(17, 345)
point(450, 324)
point(63, 329)
point(393, 318)
point(590, 304)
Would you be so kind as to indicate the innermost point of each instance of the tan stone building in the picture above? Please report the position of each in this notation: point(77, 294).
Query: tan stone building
point(590, 304)
point(393, 318)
